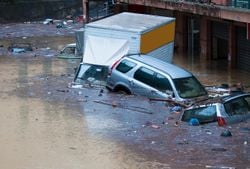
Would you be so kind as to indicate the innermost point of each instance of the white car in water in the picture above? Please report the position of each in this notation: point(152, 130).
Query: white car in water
point(224, 110)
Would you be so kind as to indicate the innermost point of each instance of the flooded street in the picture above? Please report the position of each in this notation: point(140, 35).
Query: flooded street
point(215, 72)
point(40, 133)
point(44, 124)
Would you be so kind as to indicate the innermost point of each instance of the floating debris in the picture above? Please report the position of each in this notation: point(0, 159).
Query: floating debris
point(226, 133)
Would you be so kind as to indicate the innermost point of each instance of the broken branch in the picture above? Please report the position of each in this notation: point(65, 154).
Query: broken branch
point(170, 101)
point(120, 106)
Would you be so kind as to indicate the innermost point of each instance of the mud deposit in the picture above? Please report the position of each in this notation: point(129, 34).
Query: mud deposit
point(44, 124)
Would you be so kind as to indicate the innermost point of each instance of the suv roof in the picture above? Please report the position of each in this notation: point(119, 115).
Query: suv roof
point(174, 71)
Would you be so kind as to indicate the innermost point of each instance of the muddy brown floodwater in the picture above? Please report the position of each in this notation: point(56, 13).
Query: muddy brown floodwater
point(46, 125)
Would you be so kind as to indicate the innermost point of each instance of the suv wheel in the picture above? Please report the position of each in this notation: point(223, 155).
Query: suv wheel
point(122, 90)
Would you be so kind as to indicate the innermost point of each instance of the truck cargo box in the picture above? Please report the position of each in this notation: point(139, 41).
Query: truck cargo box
point(110, 38)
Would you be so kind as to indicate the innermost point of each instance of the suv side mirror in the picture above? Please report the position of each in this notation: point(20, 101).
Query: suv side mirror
point(170, 93)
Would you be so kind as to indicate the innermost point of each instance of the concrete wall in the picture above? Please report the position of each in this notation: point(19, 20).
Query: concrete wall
point(38, 9)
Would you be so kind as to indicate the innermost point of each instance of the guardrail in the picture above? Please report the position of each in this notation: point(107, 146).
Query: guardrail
point(241, 4)
point(101, 11)
point(244, 4)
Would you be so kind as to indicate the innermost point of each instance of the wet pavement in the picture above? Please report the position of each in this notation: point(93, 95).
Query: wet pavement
point(44, 124)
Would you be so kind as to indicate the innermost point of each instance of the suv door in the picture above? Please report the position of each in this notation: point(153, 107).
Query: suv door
point(120, 75)
point(162, 84)
point(149, 83)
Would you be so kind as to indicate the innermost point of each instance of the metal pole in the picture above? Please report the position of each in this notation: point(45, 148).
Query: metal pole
point(192, 34)
point(85, 4)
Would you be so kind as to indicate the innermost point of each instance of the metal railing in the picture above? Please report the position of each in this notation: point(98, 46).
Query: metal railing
point(101, 11)
point(244, 4)
point(241, 4)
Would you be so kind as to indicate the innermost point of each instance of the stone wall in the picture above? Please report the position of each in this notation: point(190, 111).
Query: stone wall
point(14, 11)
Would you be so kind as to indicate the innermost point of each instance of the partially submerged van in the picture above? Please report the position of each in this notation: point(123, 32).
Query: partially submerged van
point(147, 76)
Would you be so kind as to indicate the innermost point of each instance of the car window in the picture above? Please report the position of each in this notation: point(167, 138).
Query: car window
point(162, 83)
point(247, 98)
point(69, 50)
point(145, 75)
point(125, 66)
point(189, 87)
point(203, 114)
point(91, 73)
point(237, 106)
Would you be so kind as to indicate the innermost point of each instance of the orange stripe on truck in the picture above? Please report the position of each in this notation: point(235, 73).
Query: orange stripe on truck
point(157, 37)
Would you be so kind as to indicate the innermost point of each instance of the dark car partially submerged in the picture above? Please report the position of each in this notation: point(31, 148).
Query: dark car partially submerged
point(224, 110)
point(20, 47)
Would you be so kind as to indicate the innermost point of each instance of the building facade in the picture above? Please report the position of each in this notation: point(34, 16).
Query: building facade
point(212, 29)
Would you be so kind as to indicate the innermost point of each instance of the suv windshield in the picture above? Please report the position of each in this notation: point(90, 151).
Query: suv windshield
point(189, 87)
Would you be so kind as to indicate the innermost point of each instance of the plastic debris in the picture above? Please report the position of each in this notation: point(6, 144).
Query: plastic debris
point(101, 92)
point(226, 133)
point(176, 124)
point(148, 123)
point(61, 24)
point(176, 108)
point(184, 141)
point(114, 104)
point(219, 167)
point(155, 126)
point(219, 149)
point(18, 50)
point(82, 100)
point(194, 122)
point(48, 21)
point(62, 90)
point(208, 132)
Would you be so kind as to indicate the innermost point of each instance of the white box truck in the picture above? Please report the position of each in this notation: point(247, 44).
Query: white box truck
point(125, 33)
point(108, 39)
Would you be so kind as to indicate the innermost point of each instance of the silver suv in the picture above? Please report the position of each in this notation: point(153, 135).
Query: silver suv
point(147, 76)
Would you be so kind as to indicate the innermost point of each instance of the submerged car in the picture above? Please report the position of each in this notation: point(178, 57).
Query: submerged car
point(224, 110)
point(20, 47)
point(69, 52)
point(148, 76)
